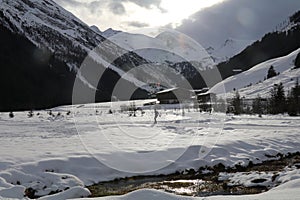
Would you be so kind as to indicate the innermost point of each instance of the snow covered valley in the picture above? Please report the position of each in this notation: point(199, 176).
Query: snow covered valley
point(57, 154)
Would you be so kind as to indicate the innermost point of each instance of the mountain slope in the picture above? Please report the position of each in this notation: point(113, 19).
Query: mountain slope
point(42, 48)
point(252, 82)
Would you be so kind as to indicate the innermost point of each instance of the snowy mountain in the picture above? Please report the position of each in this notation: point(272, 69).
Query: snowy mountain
point(172, 58)
point(165, 48)
point(47, 25)
point(253, 82)
point(179, 51)
point(228, 49)
point(52, 43)
point(109, 32)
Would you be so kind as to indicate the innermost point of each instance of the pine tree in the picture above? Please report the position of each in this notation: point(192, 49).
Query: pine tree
point(11, 115)
point(281, 100)
point(236, 103)
point(257, 106)
point(30, 114)
point(291, 104)
point(293, 100)
point(297, 96)
point(271, 72)
point(297, 61)
point(277, 101)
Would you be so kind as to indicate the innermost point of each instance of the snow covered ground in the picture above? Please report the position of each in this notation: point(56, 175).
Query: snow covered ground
point(74, 146)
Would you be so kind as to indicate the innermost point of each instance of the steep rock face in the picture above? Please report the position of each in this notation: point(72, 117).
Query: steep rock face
point(41, 49)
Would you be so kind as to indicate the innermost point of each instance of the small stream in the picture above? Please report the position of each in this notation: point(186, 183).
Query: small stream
point(201, 183)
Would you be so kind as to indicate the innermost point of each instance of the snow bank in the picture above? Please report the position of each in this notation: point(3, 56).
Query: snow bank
point(13, 192)
point(68, 194)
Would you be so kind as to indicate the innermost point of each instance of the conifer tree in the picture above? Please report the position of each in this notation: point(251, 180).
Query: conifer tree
point(271, 72)
point(293, 100)
point(297, 61)
point(257, 106)
point(277, 101)
point(236, 103)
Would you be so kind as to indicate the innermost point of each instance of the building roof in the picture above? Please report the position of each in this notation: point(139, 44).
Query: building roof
point(200, 90)
point(206, 93)
point(167, 90)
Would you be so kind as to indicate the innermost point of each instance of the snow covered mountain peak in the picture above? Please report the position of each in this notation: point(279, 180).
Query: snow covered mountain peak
point(166, 48)
point(228, 49)
point(96, 29)
point(110, 32)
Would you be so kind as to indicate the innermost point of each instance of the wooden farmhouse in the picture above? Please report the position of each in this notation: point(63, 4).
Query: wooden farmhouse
point(173, 96)
point(206, 101)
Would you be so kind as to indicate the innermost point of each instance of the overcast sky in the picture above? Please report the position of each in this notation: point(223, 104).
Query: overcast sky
point(207, 21)
point(238, 19)
point(132, 14)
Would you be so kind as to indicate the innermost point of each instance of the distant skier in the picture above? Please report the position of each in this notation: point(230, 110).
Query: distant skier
point(155, 115)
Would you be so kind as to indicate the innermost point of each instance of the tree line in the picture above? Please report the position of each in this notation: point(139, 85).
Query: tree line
point(276, 103)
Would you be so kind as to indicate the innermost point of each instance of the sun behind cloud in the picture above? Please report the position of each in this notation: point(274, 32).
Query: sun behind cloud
point(132, 14)
point(179, 10)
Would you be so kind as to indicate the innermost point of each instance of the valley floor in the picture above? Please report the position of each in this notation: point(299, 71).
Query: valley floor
point(58, 154)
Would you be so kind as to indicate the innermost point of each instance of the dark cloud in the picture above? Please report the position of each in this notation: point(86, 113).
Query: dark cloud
point(137, 24)
point(117, 8)
point(240, 19)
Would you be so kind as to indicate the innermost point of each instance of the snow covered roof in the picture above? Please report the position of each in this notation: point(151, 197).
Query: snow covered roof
point(200, 90)
point(206, 93)
point(167, 90)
